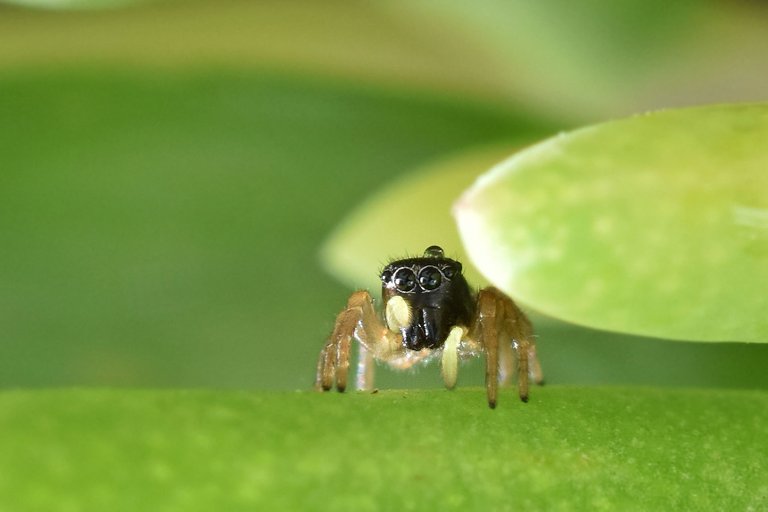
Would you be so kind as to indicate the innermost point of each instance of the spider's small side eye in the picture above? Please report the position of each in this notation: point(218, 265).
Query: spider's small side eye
point(450, 271)
point(386, 276)
point(405, 280)
point(430, 278)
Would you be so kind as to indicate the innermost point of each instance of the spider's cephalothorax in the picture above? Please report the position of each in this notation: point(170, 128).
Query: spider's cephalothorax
point(436, 294)
point(430, 311)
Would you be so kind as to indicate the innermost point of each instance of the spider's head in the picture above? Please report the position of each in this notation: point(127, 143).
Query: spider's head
point(425, 297)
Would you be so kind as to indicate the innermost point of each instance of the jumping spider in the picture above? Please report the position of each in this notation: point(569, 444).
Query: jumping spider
point(431, 312)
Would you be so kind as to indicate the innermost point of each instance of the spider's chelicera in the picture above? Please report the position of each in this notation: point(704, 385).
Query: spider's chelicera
point(430, 311)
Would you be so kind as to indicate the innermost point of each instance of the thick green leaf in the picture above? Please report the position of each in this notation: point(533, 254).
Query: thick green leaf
point(574, 449)
point(654, 225)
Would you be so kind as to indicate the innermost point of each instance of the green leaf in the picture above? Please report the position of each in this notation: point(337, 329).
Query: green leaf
point(654, 225)
point(588, 449)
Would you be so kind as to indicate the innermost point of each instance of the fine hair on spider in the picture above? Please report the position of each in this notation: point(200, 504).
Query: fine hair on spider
point(430, 311)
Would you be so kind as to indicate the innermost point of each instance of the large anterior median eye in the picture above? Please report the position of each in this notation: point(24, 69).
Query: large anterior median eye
point(405, 280)
point(430, 278)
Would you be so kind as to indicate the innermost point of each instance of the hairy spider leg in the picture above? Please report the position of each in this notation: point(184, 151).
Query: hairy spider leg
point(484, 331)
point(358, 320)
point(504, 331)
point(500, 330)
point(364, 369)
point(507, 363)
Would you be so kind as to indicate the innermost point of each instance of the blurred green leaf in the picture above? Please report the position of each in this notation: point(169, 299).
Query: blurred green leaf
point(575, 449)
point(596, 59)
point(356, 41)
point(572, 60)
point(654, 225)
point(162, 228)
point(71, 4)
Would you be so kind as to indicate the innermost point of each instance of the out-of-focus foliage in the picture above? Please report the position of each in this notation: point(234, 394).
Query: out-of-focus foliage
point(169, 169)
point(71, 4)
point(568, 60)
point(161, 228)
point(595, 59)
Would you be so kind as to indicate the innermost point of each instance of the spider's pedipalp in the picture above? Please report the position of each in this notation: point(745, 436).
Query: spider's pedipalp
point(450, 360)
point(397, 313)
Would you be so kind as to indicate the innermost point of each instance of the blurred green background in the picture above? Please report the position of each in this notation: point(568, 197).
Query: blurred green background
point(169, 170)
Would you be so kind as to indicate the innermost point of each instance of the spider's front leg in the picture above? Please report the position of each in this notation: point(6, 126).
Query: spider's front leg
point(359, 321)
point(499, 324)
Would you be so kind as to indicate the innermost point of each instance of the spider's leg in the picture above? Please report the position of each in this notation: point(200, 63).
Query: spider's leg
point(450, 361)
point(519, 329)
point(364, 369)
point(333, 363)
point(499, 327)
point(485, 330)
point(522, 369)
point(534, 367)
point(507, 363)
point(358, 320)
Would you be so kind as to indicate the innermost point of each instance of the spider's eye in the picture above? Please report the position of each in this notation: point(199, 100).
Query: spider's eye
point(405, 280)
point(449, 272)
point(386, 276)
point(430, 278)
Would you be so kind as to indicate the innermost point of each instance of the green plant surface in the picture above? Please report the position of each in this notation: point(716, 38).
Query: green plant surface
point(567, 449)
point(654, 225)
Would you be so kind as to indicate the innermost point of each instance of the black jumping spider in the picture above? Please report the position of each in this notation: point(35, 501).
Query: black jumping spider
point(431, 312)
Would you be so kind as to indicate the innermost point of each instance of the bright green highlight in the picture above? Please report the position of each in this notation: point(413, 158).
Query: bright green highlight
point(654, 225)
point(568, 449)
